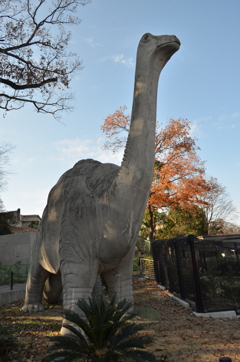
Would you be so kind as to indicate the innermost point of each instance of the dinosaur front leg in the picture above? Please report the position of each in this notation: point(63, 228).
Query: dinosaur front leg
point(37, 276)
point(119, 279)
point(78, 279)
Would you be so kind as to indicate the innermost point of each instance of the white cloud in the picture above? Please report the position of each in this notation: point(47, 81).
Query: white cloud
point(23, 161)
point(196, 127)
point(236, 115)
point(223, 117)
point(76, 149)
point(226, 116)
point(203, 119)
point(55, 159)
point(34, 201)
point(193, 128)
point(92, 43)
point(120, 58)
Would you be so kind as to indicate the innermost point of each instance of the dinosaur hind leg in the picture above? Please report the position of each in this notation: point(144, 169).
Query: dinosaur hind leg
point(52, 292)
point(37, 276)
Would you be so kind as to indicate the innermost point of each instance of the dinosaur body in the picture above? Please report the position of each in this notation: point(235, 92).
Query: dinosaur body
point(94, 212)
point(78, 194)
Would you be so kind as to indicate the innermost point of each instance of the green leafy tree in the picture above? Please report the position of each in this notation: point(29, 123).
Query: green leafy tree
point(106, 335)
point(180, 222)
point(150, 223)
point(5, 224)
point(33, 224)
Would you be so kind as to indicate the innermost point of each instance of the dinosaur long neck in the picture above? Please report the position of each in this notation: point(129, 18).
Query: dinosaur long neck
point(136, 172)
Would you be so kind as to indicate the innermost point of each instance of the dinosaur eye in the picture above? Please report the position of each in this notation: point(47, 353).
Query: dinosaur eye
point(146, 37)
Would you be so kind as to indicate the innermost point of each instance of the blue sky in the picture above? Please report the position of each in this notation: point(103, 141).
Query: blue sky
point(201, 82)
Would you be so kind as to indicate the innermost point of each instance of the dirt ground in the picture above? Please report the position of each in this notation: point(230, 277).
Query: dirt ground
point(178, 335)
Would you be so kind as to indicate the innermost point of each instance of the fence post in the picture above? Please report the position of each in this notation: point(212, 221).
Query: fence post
point(155, 254)
point(168, 284)
point(179, 267)
point(11, 280)
point(199, 301)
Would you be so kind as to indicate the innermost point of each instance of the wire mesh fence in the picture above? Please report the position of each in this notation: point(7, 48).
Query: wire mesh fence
point(20, 273)
point(147, 268)
point(204, 271)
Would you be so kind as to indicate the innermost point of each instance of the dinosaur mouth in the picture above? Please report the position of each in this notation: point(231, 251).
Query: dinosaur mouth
point(175, 44)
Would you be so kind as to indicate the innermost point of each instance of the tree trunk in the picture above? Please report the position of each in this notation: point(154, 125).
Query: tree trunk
point(152, 224)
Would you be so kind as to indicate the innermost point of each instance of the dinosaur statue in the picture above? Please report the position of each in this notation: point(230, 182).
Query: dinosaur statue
point(94, 212)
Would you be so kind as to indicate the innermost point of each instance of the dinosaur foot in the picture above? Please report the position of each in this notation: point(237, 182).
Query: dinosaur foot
point(67, 332)
point(32, 308)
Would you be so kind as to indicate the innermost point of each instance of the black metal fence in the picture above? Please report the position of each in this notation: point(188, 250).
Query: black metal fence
point(19, 271)
point(204, 271)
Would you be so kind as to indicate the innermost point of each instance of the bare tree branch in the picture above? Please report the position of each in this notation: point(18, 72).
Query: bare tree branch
point(219, 206)
point(5, 149)
point(54, 108)
point(34, 63)
point(26, 86)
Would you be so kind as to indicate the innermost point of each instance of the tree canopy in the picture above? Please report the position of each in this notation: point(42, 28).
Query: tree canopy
point(179, 222)
point(179, 174)
point(6, 221)
point(218, 208)
point(35, 66)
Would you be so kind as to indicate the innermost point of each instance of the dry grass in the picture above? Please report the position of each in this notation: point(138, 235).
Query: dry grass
point(178, 336)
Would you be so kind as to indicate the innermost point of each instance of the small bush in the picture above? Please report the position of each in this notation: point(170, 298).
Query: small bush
point(106, 335)
point(7, 341)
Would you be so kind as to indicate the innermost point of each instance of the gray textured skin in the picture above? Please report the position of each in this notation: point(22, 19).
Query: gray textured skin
point(94, 212)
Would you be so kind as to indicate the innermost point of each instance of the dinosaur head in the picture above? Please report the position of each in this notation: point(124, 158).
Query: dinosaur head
point(160, 47)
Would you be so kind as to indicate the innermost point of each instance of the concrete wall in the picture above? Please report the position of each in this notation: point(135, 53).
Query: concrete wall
point(16, 248)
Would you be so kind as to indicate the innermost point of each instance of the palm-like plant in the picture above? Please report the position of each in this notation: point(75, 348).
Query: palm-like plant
point(7, 342)
point(106, 335)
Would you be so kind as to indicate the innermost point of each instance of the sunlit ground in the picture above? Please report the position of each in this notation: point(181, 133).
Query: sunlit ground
point(178, 335)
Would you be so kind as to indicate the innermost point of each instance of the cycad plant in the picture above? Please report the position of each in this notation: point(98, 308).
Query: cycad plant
point(105, 335)
point(7, 342)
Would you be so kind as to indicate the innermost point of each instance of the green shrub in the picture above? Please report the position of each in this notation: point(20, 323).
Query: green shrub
point(136, 265)
point(232, 292)
point(7, 341)
point(106, 335)
point(5, 274)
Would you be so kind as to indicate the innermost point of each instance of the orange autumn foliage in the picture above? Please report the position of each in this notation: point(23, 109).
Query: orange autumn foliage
point(179, 174)
point(113, 125)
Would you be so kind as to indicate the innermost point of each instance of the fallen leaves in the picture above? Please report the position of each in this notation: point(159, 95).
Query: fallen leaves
point(30, 331)
point(178, 335)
